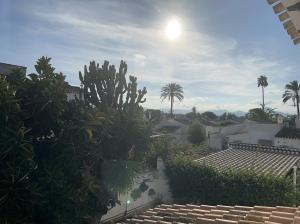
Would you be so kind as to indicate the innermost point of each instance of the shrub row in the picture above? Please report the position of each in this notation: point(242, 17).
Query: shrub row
point(191, 182)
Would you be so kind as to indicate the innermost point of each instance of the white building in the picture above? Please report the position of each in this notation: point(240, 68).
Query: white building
point(248, 132)
point(73, 92)
point(289, 136)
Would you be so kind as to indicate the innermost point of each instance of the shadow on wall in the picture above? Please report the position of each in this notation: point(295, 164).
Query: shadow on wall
point(140, 188)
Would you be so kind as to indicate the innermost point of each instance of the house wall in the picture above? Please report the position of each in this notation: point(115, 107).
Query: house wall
point(290, 142)
point(71, 96)
point(211, 130)
point(156, 179)
point(255, 132)
point(297, 121)
point(242, 138)
point(262, 131)
point(232, 129)
point(248, 132)
point(216, 141)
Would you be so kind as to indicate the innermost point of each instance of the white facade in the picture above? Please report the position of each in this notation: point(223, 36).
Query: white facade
point(216, 141)
point(289, 142)
point(72, 95)
point(248, 132)
point(212, 130)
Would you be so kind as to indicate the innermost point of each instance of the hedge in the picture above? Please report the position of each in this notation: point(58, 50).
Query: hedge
point(192, 182)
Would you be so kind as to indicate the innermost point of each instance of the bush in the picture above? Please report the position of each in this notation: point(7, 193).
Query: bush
point(196, 133)
point(158, 147)
point(191, 182)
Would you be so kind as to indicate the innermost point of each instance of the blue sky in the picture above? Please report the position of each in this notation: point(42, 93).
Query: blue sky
point(225, 45)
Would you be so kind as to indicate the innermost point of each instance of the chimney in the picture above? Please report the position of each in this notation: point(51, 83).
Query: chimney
point(297, 121)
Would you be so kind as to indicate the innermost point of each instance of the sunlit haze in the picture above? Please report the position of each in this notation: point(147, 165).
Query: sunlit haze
point(173, 29)
point(214, 49)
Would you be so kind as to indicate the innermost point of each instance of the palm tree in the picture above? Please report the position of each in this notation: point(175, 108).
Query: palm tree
point(292, 91)
point(171, 90)
point(263, 82)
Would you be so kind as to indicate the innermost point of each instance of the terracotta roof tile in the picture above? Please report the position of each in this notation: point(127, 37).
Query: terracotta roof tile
point(220, 214)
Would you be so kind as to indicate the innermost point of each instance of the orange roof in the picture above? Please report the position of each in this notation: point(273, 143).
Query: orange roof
point(288, 12)
point(219, 214)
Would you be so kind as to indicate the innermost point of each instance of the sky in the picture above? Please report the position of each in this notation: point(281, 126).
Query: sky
point(223, 47)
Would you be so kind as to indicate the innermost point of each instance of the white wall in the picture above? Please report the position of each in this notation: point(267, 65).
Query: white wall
point(71, 96)
point(212, 129)
point(233, 129)
point(297, 121)
point(262, 131)
point(216, 141)
point(248, 132)
point(256, 131)
point(242, 138)
point(291, 142)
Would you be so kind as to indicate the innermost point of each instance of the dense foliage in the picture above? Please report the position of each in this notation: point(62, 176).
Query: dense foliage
point(196, 133)
point(53, 151)
point(209, 115)
point(159, 147)
point(17, 193)
point(260, 115)
point(191, 182)
point(228, 116)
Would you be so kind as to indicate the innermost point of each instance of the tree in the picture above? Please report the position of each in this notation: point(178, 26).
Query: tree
point(209, 115)
point(196, 133)
point(263, 82)
point(171, 91)
point(17, 193)
point(257, 114)
point(292, 91)
point(192, 115)
point(228, 116)
point(53, 152)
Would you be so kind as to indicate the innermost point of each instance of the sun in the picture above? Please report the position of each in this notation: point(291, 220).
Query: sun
point(173, 29)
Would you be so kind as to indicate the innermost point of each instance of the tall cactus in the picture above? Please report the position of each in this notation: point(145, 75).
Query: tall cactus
point(105, 88)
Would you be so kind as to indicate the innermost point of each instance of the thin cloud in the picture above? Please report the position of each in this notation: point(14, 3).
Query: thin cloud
point(211, 69)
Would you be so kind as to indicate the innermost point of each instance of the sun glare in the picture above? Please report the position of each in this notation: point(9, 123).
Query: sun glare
point(173, 29)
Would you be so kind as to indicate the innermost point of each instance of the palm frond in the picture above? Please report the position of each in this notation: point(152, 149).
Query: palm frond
point(171, 90)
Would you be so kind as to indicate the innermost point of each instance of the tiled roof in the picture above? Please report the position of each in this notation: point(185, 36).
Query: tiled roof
point(220, 214)
point(6, 69)
point(261, 159)
point(288, 133)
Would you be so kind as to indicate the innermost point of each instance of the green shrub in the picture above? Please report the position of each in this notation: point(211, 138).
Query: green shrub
point(196, 133)
point(191, 182)
point(157, 148)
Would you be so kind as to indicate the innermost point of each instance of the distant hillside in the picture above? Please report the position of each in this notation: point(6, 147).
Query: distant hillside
point(217, 112)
